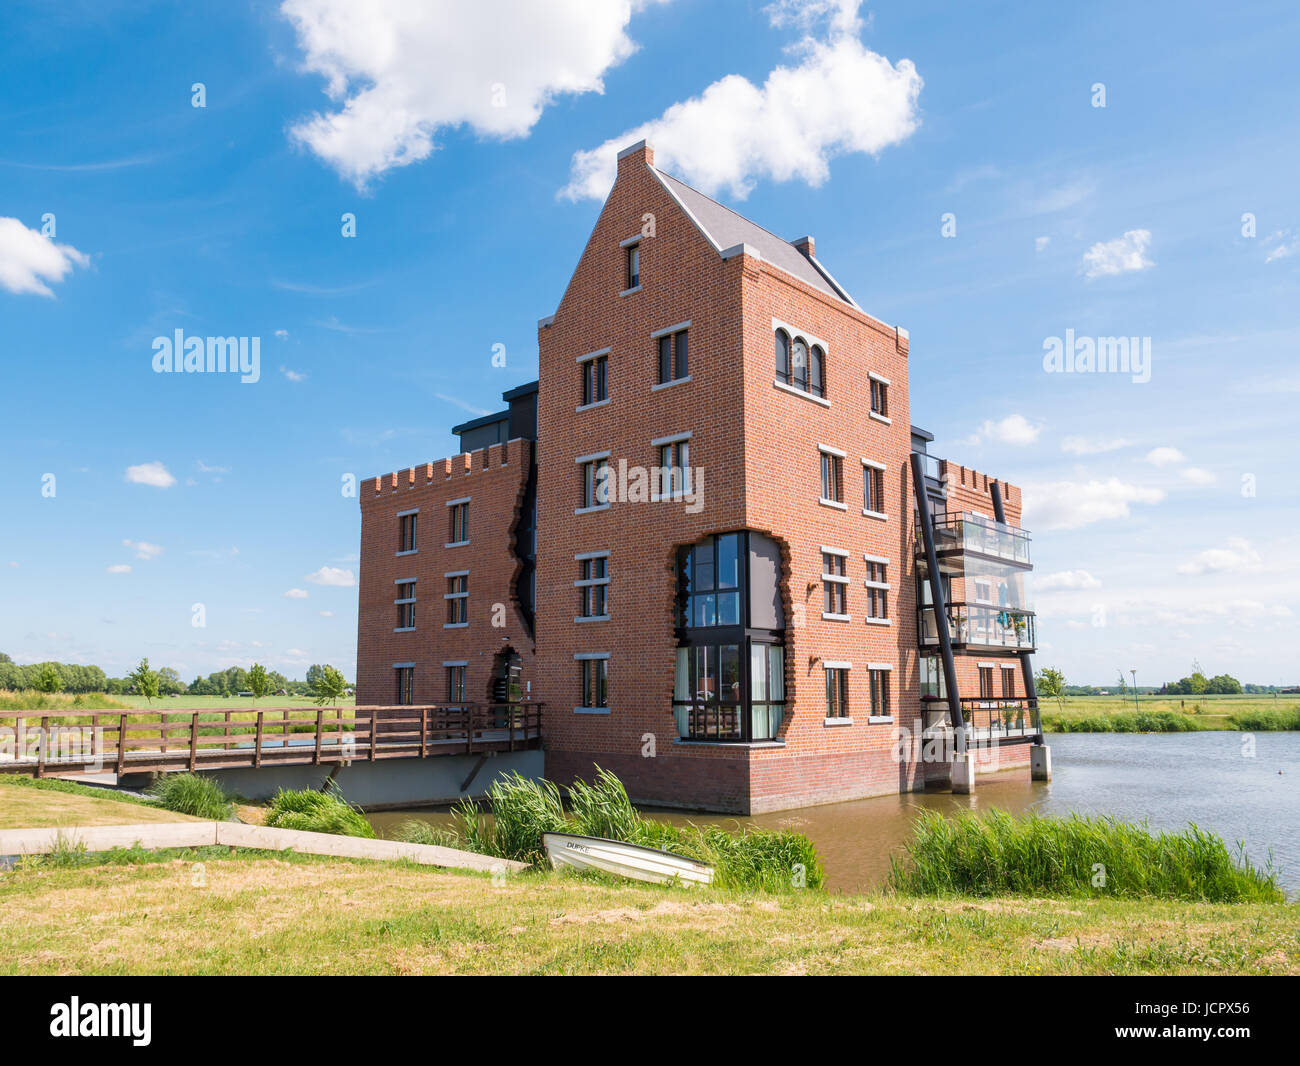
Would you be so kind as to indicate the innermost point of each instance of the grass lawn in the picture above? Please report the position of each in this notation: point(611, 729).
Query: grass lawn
point(1203, 712)
point(260, 915)
point(25, 804)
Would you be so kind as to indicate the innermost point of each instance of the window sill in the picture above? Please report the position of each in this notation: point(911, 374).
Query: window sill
point(629, 292)
point(881, 719)
point(591, 618)
point(783, 387)
point(591, 710)
point(670, 384)
point(881, 418)
point(837, 721)
point(589, 406)
point(404, 629)
point(456, 544)
point(833, 503)
point(878, 515)
point(411, 551)
point(590, 510)
point(743, 745)
point(455, 625)
point(828, 617)
point(878, 621)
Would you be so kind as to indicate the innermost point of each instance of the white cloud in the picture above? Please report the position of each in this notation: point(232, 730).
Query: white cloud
point(119, 568)
point(293, 375)
point(332, 576)
point(1041, 242)
point(1092, 445)
point(1066, 579)
point(841, 97)
point(1014, 429)
point(154, 474)
point(143, 549)
point(282, 334)
point(1284, 243)
point(1165, 456)
point(399, 73)
point(29, 259)
point(1237, 556)
point(1069, 504)
point(296, 594)
point(1120, 256)
point(1197, 475)
point(326, 614)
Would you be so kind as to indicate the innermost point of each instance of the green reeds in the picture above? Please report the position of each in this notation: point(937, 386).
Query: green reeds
point(317, 812)
point(193, 794)
point(994, 854)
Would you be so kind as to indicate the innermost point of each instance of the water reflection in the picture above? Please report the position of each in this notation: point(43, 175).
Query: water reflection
point(1169, 779)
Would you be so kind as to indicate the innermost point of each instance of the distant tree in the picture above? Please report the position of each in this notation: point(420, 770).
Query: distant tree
point(1197, 683)
point(1051, 683)
point(1123, 685)
point(1223, 685)
point(258, 681)
point(48, 679)
point(145, 681)
point(313, 675)
point(330, 686)
point(4, 658)
point(169, 682)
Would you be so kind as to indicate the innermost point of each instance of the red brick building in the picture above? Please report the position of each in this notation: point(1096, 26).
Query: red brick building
point(697, 537)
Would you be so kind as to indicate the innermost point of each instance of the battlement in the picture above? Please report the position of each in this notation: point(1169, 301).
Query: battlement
point(965, 483)
point(516, 453)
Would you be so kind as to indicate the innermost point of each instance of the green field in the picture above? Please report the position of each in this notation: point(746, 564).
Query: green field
point(1196, 712)
point(220, 703)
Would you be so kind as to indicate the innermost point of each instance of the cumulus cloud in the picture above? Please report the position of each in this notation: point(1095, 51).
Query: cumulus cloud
point(1014, 429)
point(1123, 255)
point(296, 594)
point(154, 474)
point(1070, 504)
point(1165, 456)
point(1092, 445)
point(143, 549)
point(838, 97)
point(1066, 579)
point(1041, 242)
point(293, 375)
point(120, 568)
point(1197, 475)
point(399, 73)
point(1236, 557)
point(30, 261)
point(332, 576)
point(326, 614)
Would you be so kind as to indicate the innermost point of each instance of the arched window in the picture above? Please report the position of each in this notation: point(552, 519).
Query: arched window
point(816, 368)
point(799, 363)
point(783, 356)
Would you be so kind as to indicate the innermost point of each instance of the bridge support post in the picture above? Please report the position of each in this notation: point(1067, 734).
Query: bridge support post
point(963, 773)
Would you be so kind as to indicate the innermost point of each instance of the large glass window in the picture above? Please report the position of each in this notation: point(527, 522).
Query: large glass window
point(730, 679)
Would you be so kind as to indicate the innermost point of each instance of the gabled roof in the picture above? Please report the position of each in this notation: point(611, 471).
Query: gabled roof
point(726, 229)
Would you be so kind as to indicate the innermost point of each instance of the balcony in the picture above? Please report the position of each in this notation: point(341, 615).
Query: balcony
point(960, 533)
point(986, 718)
point(981, 627)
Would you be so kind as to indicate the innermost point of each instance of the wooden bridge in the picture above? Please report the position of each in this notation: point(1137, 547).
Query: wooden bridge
point(83, 742)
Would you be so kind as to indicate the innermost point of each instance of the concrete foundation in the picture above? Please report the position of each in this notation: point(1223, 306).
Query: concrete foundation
point(1040, 762)
point(963, 774)
point(388, 783)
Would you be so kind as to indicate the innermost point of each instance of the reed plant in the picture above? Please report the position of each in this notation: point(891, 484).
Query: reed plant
point(193, 794)
point(317, 812)
point(993, 854)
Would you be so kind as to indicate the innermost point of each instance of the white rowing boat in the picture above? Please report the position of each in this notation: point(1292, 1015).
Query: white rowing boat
point(624, 860)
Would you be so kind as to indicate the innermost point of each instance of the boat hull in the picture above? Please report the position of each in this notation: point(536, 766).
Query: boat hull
point(624, 860)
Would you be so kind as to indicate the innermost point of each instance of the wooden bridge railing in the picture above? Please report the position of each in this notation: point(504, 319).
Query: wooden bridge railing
point(128, 741)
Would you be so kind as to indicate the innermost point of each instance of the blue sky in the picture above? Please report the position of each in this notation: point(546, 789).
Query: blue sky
point(469, 141)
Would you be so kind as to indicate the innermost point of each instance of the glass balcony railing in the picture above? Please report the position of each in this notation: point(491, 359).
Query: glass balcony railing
point(981, 625)
point(963, 531)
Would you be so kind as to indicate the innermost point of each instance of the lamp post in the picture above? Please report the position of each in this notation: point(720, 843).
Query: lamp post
point(1135, 687)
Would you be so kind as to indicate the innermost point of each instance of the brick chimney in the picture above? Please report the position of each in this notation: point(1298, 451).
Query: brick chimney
point(805, 246)
point(634, 154)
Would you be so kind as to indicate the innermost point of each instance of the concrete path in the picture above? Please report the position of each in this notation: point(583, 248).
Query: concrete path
point(238, 835)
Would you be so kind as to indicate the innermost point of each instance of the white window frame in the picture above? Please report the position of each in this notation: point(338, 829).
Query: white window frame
point(880, 469)
point(457, 596)
point(412, 599)
point(594, 656)
point(825, 501)
point(886, 668)
point(457, 503)
point(415, 530)
point(836, 579)
point(582, 461)
point(884, 586)
point(581, 583)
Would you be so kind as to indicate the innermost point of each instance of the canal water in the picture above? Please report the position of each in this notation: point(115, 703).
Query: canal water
point(1169, 779)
